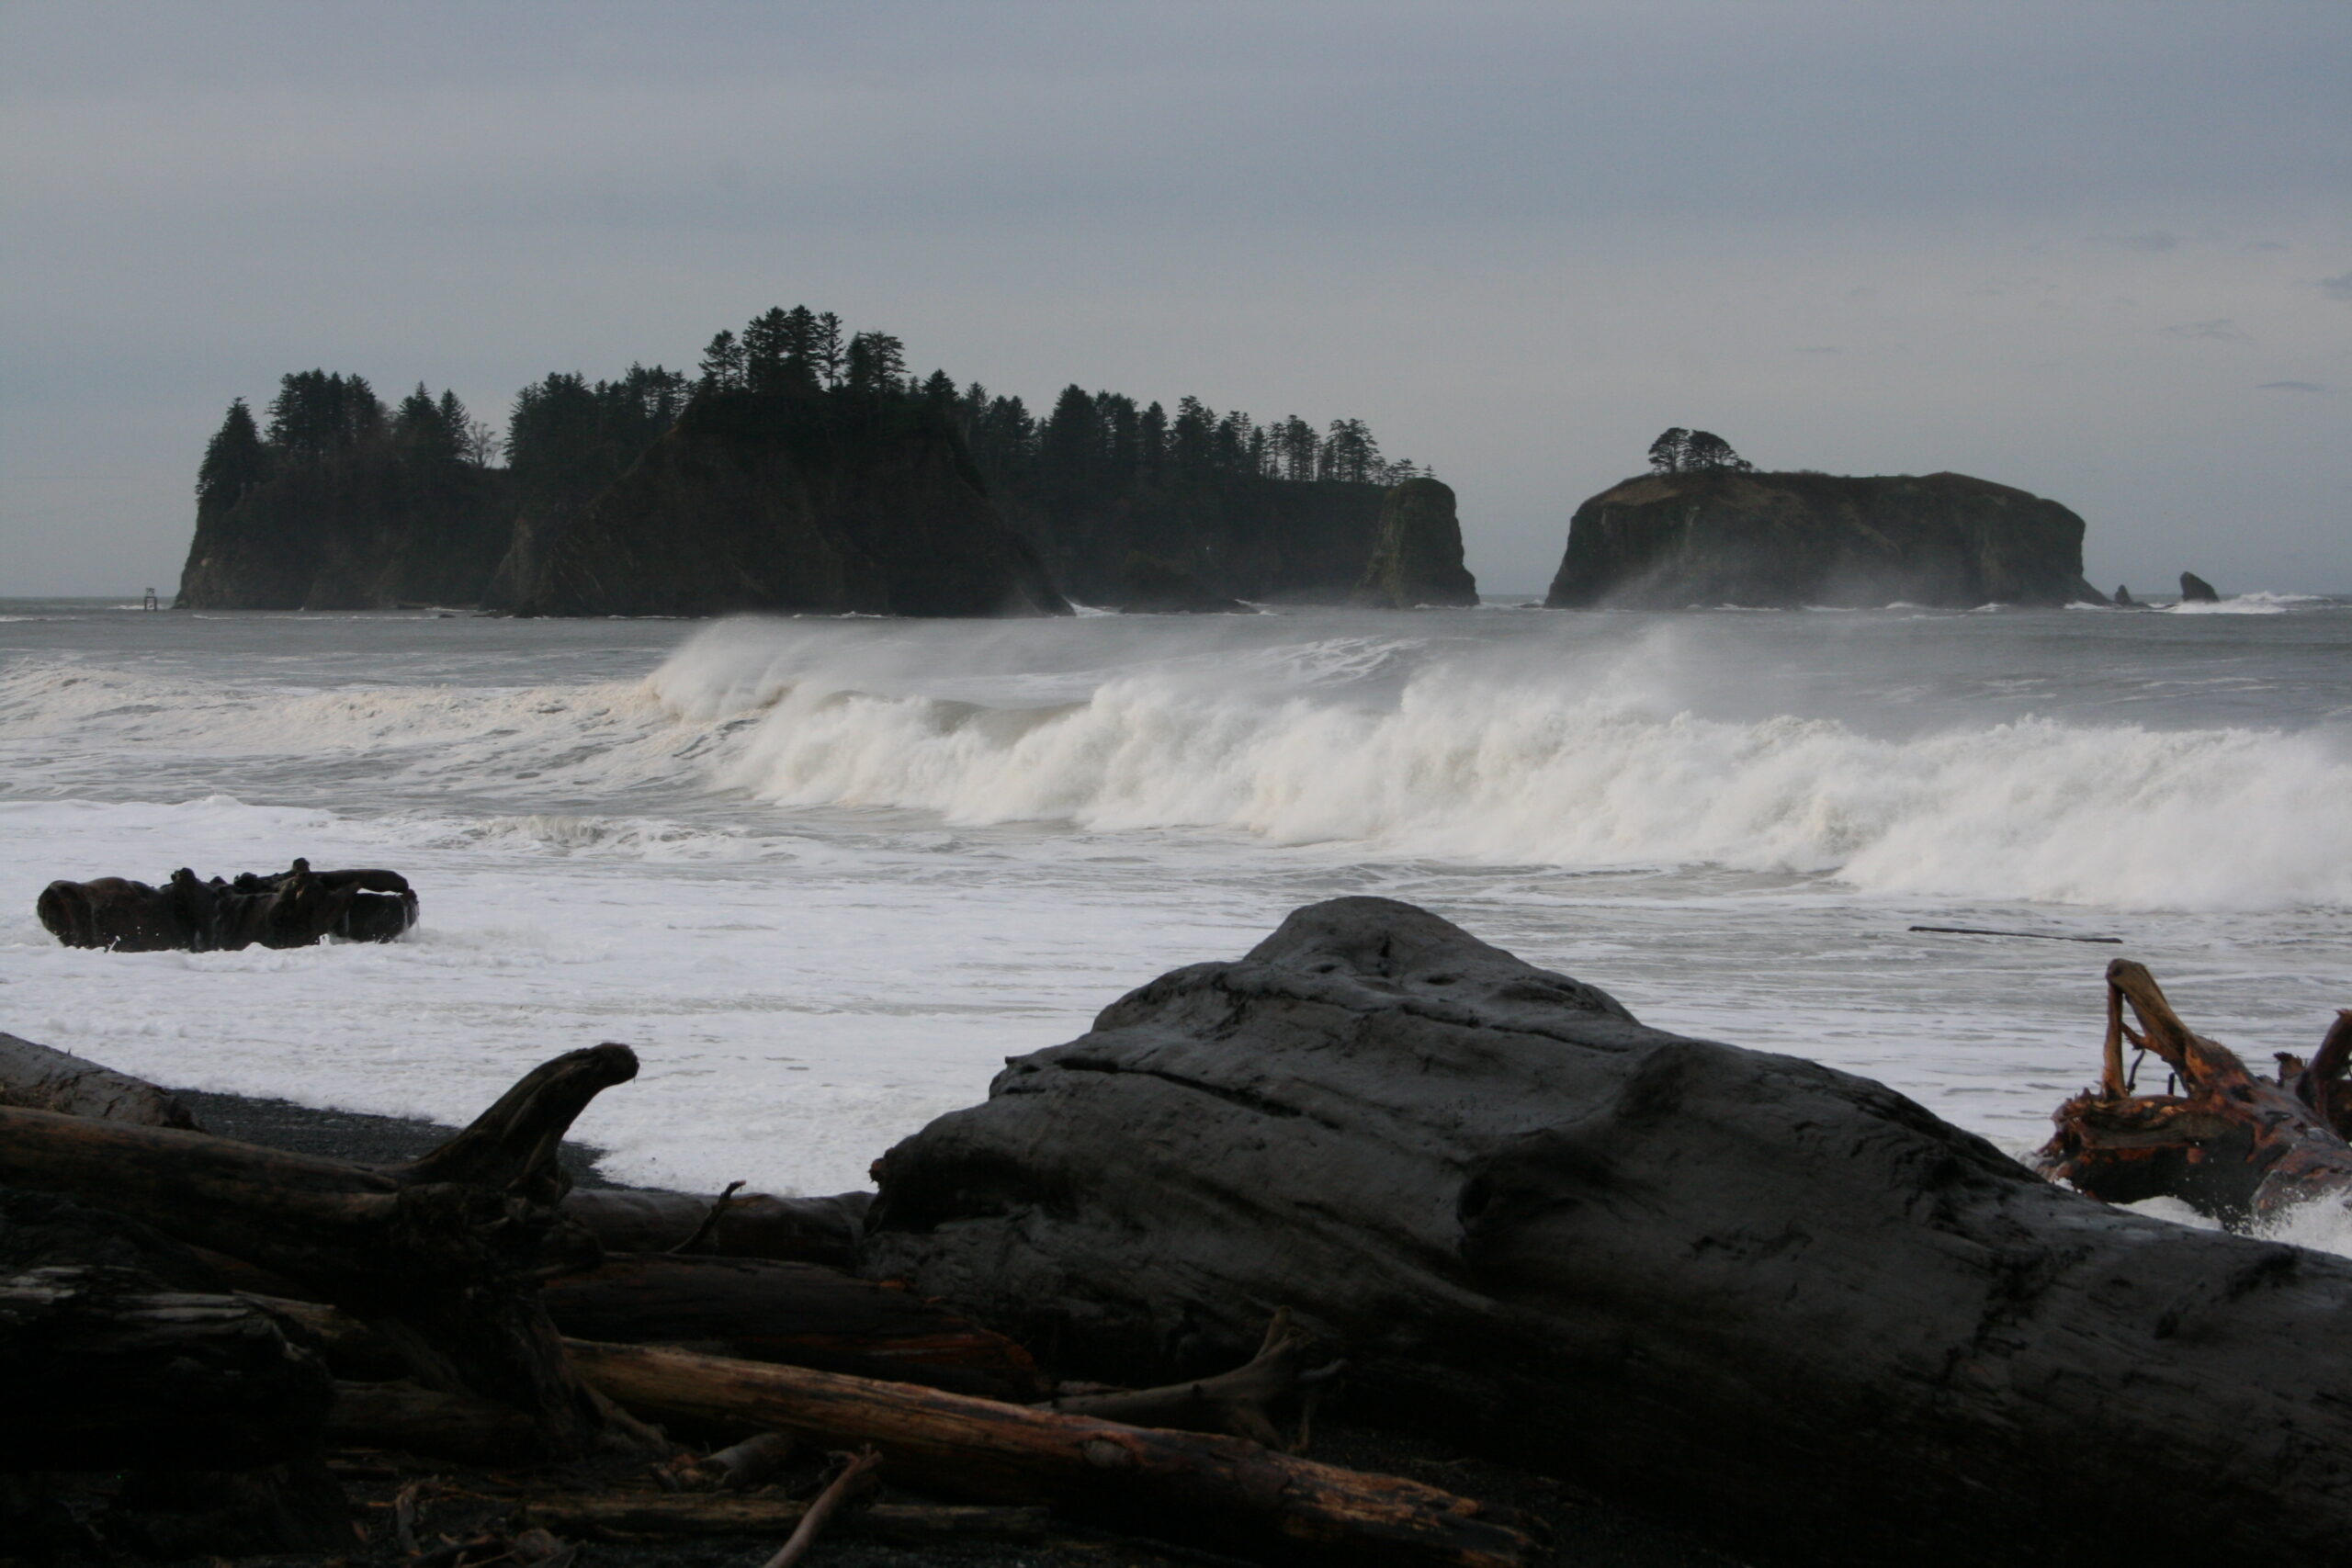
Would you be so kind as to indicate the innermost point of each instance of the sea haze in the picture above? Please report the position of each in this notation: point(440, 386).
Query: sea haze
point(826, 875)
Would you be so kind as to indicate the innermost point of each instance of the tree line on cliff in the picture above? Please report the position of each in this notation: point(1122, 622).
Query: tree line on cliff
point(567, 437)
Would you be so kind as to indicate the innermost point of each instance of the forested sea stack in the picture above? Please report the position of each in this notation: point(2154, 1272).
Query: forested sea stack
point(1722, 535)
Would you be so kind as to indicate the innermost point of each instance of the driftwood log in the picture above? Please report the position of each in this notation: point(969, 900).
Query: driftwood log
point(798, 1314)
point(2233, 1145)
point(102, 1369)
point(40, 1077)
point(748, 1224)
point(1780, 1302)
point(442, 1257)
point(296, 908)
point(1222, 1492)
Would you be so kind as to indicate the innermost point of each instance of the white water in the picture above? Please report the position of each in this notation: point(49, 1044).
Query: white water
point(826, 875)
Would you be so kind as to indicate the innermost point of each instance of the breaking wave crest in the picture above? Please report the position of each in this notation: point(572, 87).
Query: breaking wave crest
point(1392, 746)
point(1586, 769)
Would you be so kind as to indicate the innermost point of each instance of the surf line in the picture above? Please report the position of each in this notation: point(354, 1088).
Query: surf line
point(2038, 936)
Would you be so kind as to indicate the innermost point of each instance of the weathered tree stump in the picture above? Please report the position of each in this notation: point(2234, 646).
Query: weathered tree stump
point(1776, 1301)
point(2236, 1147)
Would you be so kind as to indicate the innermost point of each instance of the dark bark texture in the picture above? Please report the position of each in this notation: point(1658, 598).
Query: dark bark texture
point(748, 1224)
point(1778, 1300)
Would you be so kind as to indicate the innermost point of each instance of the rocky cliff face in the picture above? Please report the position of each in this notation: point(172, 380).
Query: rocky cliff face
point(759, 501)
point(1234, 535)
point(368, 531)
point(1668, 541)
point(1417, 559)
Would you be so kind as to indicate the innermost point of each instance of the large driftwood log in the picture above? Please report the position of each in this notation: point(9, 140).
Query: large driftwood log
point(444, 1256)
point(296, 908)
point(1778, 1301)
point(101, 1370)
point(796, 1313)
point(40, 1078)
point(2236, 1147)
point(1220, 1491)
point(746, 1225)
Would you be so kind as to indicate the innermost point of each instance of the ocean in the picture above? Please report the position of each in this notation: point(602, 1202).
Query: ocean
point(826, 875)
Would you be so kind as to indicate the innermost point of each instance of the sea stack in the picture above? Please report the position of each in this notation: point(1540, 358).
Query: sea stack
point(2195, 589)
point(1726, 537)
point(1416, 556)
point(788, 502)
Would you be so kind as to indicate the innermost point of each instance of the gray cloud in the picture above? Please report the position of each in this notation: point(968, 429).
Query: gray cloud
point(1518, 238)
point(2336, 288)
point(2291, 387)
point(2225, 330)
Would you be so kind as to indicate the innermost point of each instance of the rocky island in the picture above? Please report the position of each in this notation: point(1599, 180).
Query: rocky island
point(801, 470)
point(1719, 532)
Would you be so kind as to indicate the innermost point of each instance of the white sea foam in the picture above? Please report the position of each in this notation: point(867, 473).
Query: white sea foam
point(1589, 768)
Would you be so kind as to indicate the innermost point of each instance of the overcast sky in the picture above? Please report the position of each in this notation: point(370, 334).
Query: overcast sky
point(2101, 250)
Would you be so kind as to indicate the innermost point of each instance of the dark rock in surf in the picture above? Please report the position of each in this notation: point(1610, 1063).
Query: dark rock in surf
point(1417, 559)
point(2195, 589)
point(787, 502)
point(297, 908)
point(2123, 600)
point(1720, 537)
point(1778, 1298)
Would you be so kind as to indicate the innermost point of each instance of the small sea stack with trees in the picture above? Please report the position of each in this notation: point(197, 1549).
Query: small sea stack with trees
point(1704, 527)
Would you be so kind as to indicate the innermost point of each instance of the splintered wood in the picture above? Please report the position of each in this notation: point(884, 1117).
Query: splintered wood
point(2234, 1146)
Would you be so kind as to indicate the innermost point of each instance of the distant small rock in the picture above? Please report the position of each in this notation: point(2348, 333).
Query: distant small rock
point(2195, 589)
point(1417, 558)
point(2123, 600)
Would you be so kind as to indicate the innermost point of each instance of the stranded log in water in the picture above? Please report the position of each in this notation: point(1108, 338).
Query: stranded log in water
point(2236, 1147)
point(295, 909)
point(1778, 1301)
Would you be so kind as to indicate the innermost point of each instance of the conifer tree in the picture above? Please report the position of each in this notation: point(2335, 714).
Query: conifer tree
point(722, 363)
point(825, 349)
point(234, 461)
